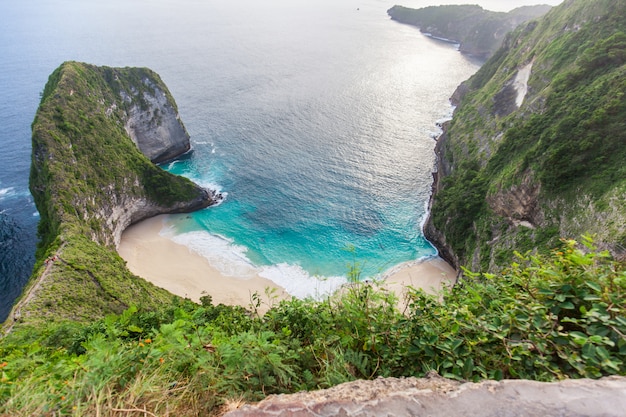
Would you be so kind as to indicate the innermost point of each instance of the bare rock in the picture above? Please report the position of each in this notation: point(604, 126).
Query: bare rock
point(435, 396)
point(155, 126)
point(519, 204)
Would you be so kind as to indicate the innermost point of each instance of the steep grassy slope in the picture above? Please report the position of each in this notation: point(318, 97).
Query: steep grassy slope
point(537, 146)
point(479, 32)
point(546, 318)
point(90, 181)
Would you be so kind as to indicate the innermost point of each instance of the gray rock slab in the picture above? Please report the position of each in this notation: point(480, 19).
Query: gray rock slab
point(435, 396)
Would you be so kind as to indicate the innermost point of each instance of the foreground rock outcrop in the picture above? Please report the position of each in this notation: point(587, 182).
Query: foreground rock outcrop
point(96, 136)
point(439, 397)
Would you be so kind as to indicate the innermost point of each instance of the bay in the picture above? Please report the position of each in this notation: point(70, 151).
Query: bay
point(316, 118)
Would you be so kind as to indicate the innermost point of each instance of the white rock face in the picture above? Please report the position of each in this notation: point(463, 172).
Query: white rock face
point(155, 126)
point(521, 83)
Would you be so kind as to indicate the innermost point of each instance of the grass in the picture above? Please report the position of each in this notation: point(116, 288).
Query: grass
point(545, 318)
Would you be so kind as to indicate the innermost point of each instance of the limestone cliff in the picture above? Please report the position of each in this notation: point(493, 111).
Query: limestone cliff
point(153, 123)
point(90, 180)
point(535, 150)
point(478, 32)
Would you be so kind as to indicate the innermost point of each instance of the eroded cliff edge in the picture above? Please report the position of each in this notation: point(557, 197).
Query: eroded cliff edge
point(96, 136)
point(535, 150)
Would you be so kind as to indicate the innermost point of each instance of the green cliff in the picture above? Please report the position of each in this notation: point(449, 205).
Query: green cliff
point(536, 149)
point(478, 31)
point(90, 181)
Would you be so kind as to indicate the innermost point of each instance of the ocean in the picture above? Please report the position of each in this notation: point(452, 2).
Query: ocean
point(316, 119)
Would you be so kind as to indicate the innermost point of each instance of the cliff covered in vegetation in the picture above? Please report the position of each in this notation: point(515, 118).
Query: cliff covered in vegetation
point(535, 150)
point(478, 32)
point(90, 181)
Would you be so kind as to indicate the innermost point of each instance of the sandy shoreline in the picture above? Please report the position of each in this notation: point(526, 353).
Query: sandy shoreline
point(184, 272)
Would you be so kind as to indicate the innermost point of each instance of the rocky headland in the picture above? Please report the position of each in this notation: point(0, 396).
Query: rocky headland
point(478, 32)
point(97, 135)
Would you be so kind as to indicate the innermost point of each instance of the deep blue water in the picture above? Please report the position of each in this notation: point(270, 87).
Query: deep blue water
point(315, 117)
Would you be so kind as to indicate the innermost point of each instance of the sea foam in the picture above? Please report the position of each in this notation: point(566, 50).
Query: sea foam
point(14, 193)
point(299, 283)
point(4, 192)
point(231, 260)
point(225, 256)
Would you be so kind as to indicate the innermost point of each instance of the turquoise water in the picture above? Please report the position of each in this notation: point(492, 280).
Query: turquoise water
point(321, 138)
point(315, 117)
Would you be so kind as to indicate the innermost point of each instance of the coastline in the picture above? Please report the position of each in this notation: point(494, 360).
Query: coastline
point(441, 170)
point(188, 274)
point(185, 273)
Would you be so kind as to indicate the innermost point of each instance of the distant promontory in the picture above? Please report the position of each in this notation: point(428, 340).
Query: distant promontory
point(478, 32)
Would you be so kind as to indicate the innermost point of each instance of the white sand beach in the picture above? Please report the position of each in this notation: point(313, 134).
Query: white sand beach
point(186, 273)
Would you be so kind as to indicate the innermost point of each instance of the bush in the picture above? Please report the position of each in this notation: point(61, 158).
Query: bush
point(544, 318)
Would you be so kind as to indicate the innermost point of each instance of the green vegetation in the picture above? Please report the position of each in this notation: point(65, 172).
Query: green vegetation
point(86, 282)
point(82, 155)
point(544, 318)
point(460, 201)
point(566, 141)
point(85, 169)
point(480, 32)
